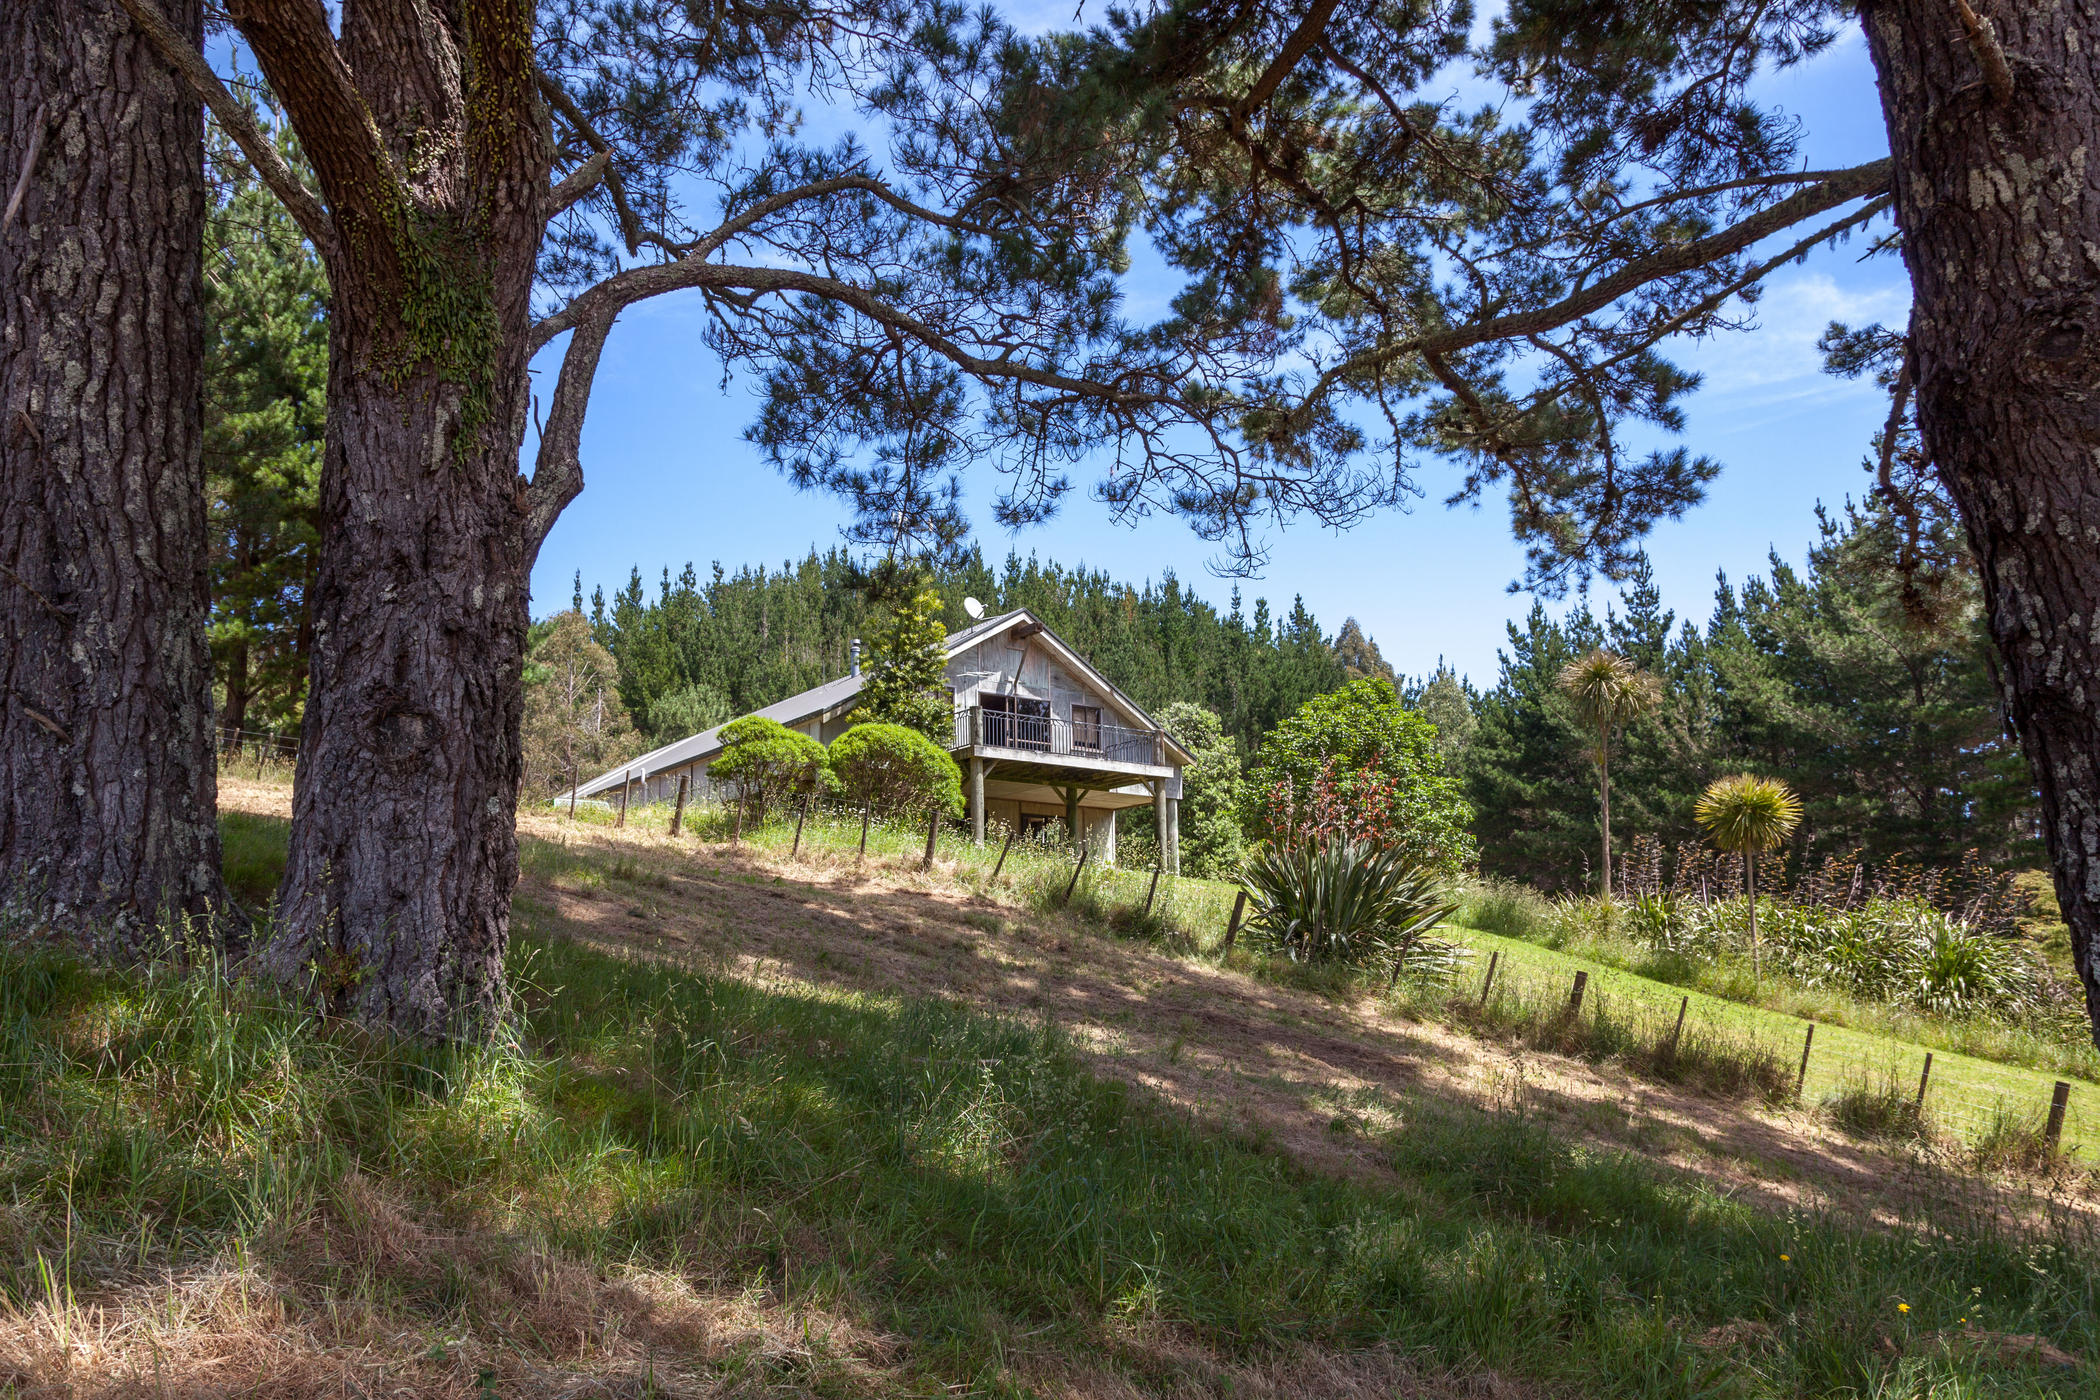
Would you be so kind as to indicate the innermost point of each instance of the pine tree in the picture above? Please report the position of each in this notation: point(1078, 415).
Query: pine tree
point(575, 726)
point(907, 669)
point(265, 414)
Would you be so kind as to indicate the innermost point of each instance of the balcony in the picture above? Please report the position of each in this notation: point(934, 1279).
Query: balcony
point(1048, 747)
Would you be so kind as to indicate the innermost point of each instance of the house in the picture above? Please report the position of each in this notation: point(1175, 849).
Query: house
point(1039, 734)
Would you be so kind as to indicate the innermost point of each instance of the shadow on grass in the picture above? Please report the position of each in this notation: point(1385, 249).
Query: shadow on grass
point(951, 1179)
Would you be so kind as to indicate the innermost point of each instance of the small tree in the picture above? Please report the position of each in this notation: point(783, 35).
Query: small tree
point(896, 770)
point(1608, 693)
point(1359, 764)
point(769, 764)
point(573, 716)
point(686, 711)
point(907, 680)
point(1748, 815)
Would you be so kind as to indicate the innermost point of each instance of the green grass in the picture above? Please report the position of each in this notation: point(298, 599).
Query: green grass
point(1732, 1044)
point(1967, 1095)
point(1518, 912)
point(955, 1181)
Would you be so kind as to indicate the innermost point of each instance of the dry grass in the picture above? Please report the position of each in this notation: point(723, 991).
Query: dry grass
point(1317, 1072)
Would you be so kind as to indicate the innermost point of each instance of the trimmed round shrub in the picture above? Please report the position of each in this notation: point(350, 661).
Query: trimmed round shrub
point(770, 765)
point(895, 769)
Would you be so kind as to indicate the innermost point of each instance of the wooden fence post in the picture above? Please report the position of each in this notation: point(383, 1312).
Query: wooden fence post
point(1924, 1078)
point(933, 834)
point(1582, 981)
point(800, 817)
point(867, 810)
point(1232, 930)
point(1073, 883)
point(1000, 864)
point(1801, 1079)
point(2058, 1102)
point(621, 820)
point(1684, 1004)
point(1487, 983)
point(1151, 890)
point(678, 811)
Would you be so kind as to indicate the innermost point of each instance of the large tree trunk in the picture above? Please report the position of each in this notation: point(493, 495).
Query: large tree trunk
point(108, 792)
point(1998, 197)
point(424, 129)
point(396, 900)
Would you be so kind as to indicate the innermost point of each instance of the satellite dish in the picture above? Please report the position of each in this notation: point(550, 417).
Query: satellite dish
point(974, 608)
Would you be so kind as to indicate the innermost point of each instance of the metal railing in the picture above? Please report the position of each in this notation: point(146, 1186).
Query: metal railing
point(1055, 737)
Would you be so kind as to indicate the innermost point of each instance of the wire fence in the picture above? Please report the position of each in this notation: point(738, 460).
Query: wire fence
point(1864, 1081)
point(259, 751)
point(1869, 1083)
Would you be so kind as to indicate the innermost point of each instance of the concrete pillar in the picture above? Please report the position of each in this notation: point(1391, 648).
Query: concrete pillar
point(1108, 837)
point(1173, 836)
point(1072, 820)
point(976, 797)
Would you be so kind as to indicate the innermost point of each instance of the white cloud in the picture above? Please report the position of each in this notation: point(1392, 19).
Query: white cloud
point(1776, 361)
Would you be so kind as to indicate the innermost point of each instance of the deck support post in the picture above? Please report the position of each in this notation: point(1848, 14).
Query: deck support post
point(1159, 820)
point(976, 791)
point(1172, 834)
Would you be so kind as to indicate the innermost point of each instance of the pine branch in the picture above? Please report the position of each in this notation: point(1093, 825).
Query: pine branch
point(578, 182)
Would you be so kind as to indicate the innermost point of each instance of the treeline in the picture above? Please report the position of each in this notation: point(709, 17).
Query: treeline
point(734, 642)
point(1862, 679)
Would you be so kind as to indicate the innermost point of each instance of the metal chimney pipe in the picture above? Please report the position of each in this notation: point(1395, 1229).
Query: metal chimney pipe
point(856, 656)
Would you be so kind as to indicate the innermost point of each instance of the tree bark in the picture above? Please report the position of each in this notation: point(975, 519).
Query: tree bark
point(1998, 198)
point(424, 130)
point(396, 897)
point(108, 790)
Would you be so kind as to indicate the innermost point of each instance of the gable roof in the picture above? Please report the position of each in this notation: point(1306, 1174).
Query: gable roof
point(835, 695)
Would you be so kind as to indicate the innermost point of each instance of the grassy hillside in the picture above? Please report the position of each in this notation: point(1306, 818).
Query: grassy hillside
point(752, 1181)
point(1970, 1097)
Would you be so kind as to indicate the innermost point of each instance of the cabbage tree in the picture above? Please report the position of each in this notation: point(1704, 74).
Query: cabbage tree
point(1747, 815)
point(1608, 693)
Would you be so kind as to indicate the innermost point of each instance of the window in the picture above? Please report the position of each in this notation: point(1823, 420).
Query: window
point(1086, 728)
point(1016, 722)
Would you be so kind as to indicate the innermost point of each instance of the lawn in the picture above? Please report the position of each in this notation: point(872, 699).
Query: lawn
point(1964, 1094)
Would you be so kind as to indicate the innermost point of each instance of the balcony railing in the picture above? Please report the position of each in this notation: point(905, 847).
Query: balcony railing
point(1057, 738)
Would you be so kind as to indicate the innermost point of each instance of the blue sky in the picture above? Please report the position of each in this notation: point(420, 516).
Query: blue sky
point(669, 478)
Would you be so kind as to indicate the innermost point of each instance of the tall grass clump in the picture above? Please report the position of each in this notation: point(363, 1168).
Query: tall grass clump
point(1505, 907)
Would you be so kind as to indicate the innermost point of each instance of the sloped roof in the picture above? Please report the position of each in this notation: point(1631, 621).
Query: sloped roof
point(823, 699)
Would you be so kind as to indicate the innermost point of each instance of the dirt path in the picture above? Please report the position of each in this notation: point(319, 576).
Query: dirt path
point(1319, 1079)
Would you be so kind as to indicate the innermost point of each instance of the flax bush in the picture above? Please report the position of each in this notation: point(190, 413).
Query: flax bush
point(1345, 901)
point(1898, 951)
